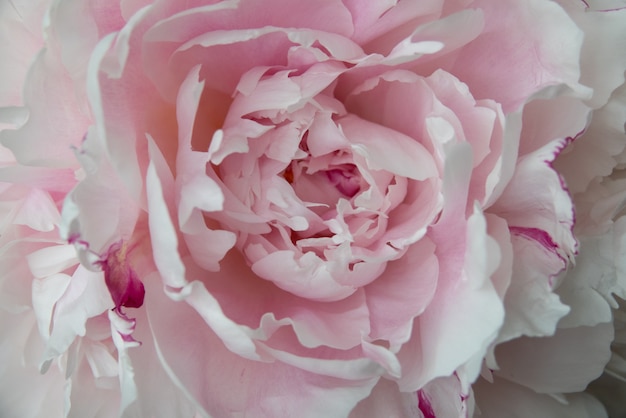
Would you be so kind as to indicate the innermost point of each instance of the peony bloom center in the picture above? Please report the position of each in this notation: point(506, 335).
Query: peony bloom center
point(319, 197)
point(345, 180)
point(123, 283)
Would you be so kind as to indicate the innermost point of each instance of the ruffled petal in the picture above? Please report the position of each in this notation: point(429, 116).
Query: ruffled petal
point(292, 392)
point(540, 53)
point(563, 363)
point(502, 398)
point(386, 399)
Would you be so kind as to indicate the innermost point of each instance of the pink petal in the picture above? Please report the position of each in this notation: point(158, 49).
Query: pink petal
point(122, 115)
point(46, 139)
point(45, 294)
point(382, 19)
point(540, 52)
point(536, 198)
point(99, 210)
point(38, 211)
point(402, 293)
point(328, 18)
point(466, 312)
point(258, 304)
point(307, 276)
point(45, 178)
point(85, 297)
point(51, 260)
point(163, 233)
point(20, 22)
point(444, 397)
point(152, 380)
point(208, 372)
point(386, 399)
point(503, 398)
point(26, 383)
point(545, 121)
point(396, 153)
point(595, 152)
point(565, 362)
point(603, 58)
point(585, 287)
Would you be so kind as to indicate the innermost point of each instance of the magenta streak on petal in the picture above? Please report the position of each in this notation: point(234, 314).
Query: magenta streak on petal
point(536, 234)
point(616, 9)
point(128, 337)
point(125, 287)
point(424, 405)
point(75, 239)
point(464, 398)
point(543, 238)
point(566, 141)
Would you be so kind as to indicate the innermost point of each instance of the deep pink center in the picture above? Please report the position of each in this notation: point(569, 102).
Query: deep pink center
point(346, 180)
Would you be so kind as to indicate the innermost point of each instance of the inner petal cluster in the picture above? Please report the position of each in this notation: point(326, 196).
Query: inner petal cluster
point(328, 206)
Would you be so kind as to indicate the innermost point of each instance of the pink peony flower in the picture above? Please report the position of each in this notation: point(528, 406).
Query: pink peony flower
point(289, 208)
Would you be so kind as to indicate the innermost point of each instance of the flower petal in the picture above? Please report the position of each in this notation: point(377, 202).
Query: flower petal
point(384, 149)
point(565, 362)
point(208, 372)
point(502, 398)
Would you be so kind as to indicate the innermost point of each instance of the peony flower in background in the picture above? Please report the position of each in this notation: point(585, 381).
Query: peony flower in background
point(330, 208)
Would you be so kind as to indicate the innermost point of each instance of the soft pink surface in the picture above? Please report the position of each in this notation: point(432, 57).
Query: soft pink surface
point(304, 207)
